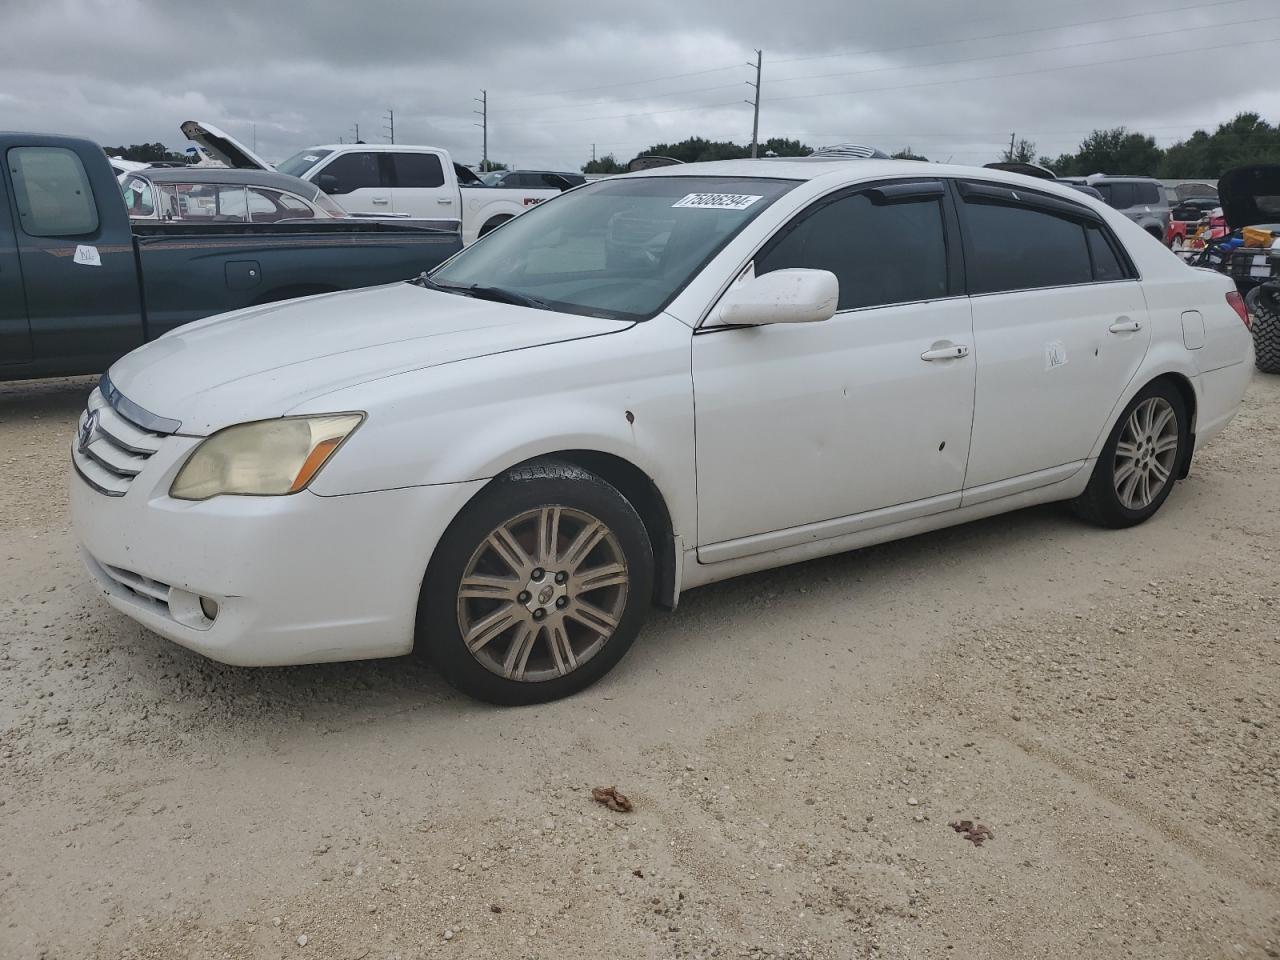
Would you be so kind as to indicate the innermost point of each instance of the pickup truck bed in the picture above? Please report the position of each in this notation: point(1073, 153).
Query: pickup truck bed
point(80, 286)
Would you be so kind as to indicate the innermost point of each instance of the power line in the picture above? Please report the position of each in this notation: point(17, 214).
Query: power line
point(1023, 53)
point(632, 83)
point(1023, 73)
point(1015, 33)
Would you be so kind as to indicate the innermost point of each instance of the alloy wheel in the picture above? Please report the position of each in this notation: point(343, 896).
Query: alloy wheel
point(1146, 453)
point(542, 594)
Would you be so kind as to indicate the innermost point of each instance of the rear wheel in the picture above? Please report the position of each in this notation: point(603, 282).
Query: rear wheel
point(1264, 304)
point(1141, 461)
point(538, 588)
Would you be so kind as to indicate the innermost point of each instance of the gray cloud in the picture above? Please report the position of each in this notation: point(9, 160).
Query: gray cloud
point(562, 76)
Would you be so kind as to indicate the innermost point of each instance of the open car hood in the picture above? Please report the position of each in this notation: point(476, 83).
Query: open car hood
point(1250, 195)
point(223, 146)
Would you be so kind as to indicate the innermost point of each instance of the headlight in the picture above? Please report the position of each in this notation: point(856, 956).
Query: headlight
point(269, 458)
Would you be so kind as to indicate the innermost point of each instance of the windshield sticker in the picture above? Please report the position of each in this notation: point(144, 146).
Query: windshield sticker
point(87, 256)
point(717, 201)
point(310, 159)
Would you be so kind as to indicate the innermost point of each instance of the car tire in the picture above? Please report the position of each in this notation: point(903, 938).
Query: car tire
point(1265, 307)
point(538, 588)
point(1141, 461)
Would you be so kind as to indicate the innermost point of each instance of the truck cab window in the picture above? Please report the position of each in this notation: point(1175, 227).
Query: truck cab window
point(52, 192)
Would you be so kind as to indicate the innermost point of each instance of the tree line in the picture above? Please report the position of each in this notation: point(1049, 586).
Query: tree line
point(1247, 138)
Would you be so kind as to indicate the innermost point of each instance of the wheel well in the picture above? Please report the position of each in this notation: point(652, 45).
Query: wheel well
point(634, 484)
point(1188, 394)
point(493, 222)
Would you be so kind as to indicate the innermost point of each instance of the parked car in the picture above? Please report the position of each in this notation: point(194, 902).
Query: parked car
point(422, 183)
point(1185, 217)
point(503, 464)
point(81, 285)
point(224, 195)
point(536, 179)
point(1141, 199)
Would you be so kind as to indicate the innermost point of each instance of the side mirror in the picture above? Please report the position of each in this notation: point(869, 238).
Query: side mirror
point(783, 296)
point(327, 182)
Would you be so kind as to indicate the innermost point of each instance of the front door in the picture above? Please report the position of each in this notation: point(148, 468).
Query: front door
point(1060, 328)
point(79, 267)
point(15, 329)
point(820, 424)
point(359, 181)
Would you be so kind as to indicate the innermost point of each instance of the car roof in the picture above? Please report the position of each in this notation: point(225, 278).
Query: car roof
point(836, 170)
point(250, 178)
point(1119, 178)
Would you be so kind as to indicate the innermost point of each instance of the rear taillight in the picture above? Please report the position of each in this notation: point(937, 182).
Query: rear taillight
point(1237, 304)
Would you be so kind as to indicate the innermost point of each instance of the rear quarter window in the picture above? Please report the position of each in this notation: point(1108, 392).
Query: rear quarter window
point(1018, 248)
point(52, 192)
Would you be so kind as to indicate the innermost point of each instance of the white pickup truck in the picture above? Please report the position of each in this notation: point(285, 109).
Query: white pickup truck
point(389, 181)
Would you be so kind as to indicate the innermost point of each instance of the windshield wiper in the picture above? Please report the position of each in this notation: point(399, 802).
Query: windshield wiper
point(424, 280)
point(502, 295)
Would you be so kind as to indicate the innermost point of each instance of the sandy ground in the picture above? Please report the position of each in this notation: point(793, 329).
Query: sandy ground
point(795, 744)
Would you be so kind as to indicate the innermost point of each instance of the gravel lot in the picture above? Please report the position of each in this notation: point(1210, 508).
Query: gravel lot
point(795, 745)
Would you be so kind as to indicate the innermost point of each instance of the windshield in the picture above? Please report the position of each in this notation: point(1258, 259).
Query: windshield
point(300, 163)
point(616, 248)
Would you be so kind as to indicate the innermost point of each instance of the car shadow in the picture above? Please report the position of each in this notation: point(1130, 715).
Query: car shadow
point(294, 701)
point(61, 397)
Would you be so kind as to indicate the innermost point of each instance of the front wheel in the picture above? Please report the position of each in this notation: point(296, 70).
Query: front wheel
point(1141, 460)
point(538, 588)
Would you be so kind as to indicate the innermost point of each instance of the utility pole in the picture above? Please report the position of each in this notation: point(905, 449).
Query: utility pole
point(357, 129)
point(254, 128)
point(593, 153)
point(1009, 156)
point(483, 113)
point(390, 125)
point(755, 103)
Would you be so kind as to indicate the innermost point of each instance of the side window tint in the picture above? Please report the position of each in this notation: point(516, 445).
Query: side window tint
point(895, 253)
point(418, 170)
point(1106, 265)
point(52, 192)
point(351, 171)
point(203, 203)
point(270, 206)
point(1018, 248)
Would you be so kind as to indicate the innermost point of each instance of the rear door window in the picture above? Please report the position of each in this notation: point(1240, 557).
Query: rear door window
point(1009, 247)
point(881, 253)
point(203, 202)
point(52, 192)
point(1146, 194)
point(418, 170)
point(270, 206)
point(1107, 265)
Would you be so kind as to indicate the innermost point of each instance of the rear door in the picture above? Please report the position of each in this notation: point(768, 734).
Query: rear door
point(360, 181)
point(422, 191)
point(1060, 328)
point(15, 330)
point(79, 267)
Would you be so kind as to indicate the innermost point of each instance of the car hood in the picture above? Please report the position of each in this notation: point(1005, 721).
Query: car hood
point(223, 146)
point(262, 362)
point(1250, 195)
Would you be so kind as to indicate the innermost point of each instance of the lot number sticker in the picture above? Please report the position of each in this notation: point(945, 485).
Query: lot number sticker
point(717, 201)
point(87, 256)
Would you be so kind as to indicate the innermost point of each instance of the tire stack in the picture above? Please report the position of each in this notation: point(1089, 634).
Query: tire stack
point(1264, 303)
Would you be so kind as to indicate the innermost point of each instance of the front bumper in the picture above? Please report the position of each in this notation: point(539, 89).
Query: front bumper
point(297, 579)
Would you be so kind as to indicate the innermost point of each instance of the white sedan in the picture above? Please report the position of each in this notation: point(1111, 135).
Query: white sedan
point(649, 383)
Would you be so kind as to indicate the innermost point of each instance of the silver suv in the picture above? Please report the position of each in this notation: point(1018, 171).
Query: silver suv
point(1141, 199)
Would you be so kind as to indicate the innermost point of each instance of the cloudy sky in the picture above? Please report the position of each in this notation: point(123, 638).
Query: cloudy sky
point(952, 80)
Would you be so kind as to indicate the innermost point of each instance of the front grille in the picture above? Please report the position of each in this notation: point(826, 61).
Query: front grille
point(109, 449)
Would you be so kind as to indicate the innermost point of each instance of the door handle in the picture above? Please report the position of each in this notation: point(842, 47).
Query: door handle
point(380, 201)
point(445, 200)
point(951, 352)
point(1125, 325)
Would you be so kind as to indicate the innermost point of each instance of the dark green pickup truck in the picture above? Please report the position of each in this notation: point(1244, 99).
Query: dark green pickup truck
point(80, 285)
